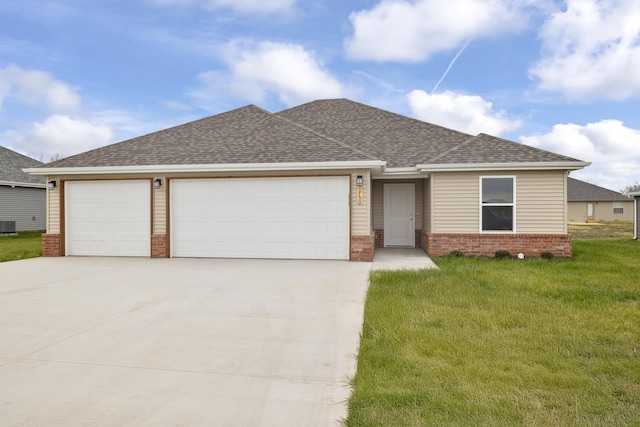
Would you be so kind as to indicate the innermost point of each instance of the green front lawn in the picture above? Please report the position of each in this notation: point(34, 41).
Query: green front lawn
point(26, 244)
point(504, 342)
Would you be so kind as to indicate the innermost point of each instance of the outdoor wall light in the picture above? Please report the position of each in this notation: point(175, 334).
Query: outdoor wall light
point(52, 185)
point(157, 183)
point(359, 180)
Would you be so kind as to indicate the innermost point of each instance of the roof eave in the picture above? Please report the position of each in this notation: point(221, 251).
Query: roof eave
point(23, 184)
point(231, 167)
point(485, 167)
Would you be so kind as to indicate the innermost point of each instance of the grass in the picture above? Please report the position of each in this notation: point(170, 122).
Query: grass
point(601, 230)
point(26, 244)
point(504, 342)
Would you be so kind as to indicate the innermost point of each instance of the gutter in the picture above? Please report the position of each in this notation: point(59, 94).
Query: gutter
point(22, 184)
point(231, 167)
point(480, 167)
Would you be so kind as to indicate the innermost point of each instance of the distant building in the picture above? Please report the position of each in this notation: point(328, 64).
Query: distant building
point(591, 203)
point(22, 196)
point(636, 213)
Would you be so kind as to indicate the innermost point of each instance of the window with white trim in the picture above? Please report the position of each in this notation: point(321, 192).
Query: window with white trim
point(497, 200)
point(618, 207)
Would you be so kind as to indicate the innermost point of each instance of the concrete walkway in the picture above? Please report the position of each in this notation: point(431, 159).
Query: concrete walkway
point(401, 259)
point(178, 342)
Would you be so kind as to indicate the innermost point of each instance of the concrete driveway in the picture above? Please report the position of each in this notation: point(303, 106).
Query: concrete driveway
point(180, 342)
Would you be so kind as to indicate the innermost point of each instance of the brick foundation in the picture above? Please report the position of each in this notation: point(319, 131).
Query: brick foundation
point(159, 246)
point(362, 248)
point(379, 238)
point(531, 245)
point(51, 245)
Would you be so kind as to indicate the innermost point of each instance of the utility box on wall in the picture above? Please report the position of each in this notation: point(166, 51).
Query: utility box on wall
point(7, 227)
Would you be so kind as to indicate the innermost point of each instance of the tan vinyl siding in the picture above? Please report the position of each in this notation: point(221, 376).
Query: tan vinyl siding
point(602, 212)
point(426, 209)
point(160, 209)
point(540, 201)
point(577, 211)
point(53, 210)
point(455, 202)
point(378, 200)
point(377, 206)
point(360, 214)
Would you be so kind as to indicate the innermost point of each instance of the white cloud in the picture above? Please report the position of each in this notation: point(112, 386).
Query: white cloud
point(591, 50)
point(258, 70)
point(412, 31)
point(37, 89)
point(247, 6)
point(467, 113)
point(613, 149)
point(60, 134)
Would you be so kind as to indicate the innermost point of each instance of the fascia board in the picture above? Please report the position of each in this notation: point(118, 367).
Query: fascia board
point(232, 167)
point(22, 184)
point(502, 166)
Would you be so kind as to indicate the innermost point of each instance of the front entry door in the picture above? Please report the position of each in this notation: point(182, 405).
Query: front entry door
point(399, 210)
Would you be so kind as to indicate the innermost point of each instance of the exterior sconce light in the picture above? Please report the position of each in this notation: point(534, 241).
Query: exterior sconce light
point(359, 181)
point(157, 183)
point(53, 184)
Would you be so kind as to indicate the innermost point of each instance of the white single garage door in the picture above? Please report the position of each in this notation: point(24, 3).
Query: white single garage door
point(108, 218)
point(299, 218)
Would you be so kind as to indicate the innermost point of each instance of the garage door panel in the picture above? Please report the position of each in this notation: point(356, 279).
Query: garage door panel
point(108, 218)
point(261, 218)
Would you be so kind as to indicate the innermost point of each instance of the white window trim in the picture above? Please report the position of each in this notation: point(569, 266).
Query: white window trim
point(513, 205)
point(613, 208)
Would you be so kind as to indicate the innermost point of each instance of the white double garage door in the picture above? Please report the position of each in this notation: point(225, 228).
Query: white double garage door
point(296, 218)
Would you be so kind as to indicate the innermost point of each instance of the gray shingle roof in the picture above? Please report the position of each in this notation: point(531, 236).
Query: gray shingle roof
point(580, 191)
point(11, 165)
point(490, 149)
point(403, 141)
point(245, 135)
point(400, 140)
point(319, 131)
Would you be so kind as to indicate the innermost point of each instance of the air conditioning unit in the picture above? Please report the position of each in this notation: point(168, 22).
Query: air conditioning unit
point(7, 227)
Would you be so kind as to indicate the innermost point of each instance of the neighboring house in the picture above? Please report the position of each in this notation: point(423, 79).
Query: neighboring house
point(22, 196)
point(636, 213)
point(331, 179)
point(591, 203)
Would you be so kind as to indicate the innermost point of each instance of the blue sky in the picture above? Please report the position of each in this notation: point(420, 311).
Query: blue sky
point(558, 75)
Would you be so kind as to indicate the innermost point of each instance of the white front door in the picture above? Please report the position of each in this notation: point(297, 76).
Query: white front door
point(589, 210)
point(399, 210)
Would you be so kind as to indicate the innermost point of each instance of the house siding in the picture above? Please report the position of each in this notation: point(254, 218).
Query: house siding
point(602, 211)
point(378, 201)
point(455, 202)
point(426, 208)
point(360, 214)
point(160, 209)
point(636, 227)
point(361, 217)
point(540, 201)
point(24, 205)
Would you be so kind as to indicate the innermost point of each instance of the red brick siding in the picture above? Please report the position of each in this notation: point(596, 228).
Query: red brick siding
point(159, 246)
point(531, 245)
point(362, 248)
point(379, 236)
point(51, 245)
